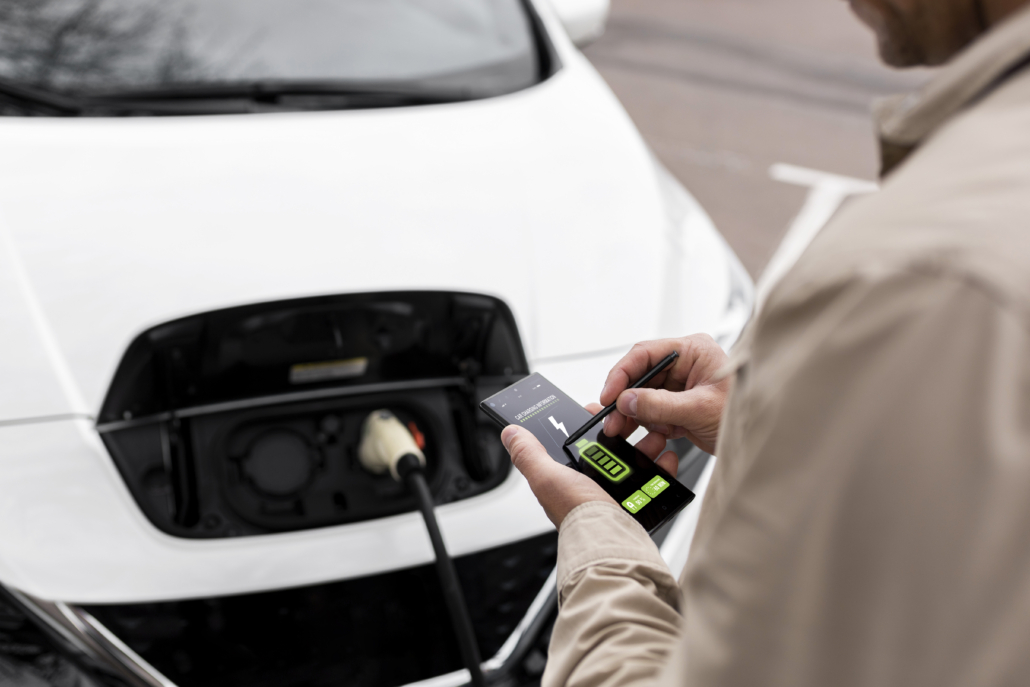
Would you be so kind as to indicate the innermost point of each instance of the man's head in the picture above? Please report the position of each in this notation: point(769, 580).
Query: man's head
point(929, 32)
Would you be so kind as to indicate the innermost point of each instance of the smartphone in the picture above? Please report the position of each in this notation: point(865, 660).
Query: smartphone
point(646, 491)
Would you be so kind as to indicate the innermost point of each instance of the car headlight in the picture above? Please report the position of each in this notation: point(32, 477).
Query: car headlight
point(58, 644)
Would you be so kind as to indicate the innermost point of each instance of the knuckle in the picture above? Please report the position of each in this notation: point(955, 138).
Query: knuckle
point(647, 407)
point(639, 350)
point(699, 346)
point(664, 407)
point(517, 450)
point(655, 403)
point(521, 453)
point(702, 339)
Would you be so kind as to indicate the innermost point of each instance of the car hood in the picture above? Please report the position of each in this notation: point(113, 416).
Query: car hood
point(546, 198)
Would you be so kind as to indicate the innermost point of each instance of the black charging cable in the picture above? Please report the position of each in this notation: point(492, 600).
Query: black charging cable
point(388, 446)
point(410, 470)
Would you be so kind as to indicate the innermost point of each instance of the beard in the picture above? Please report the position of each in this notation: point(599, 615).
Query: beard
point(895, 34)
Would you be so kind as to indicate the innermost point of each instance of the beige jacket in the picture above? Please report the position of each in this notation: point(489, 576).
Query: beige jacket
point(868, 522)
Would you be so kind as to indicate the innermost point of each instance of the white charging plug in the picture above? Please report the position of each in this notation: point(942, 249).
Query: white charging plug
point(384, 441)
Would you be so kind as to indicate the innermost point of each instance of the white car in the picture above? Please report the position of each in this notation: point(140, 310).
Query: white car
point(229, 229)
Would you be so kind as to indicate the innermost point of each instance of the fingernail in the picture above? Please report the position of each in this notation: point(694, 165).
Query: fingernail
point(630, 403)
point(508, 434)
point(606, 422)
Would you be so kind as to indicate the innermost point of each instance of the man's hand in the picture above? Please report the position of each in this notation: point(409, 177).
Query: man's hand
point(560, 489)
point(688, 397)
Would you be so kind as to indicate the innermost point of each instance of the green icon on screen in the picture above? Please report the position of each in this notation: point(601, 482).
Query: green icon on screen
point(656, 485)
point(607, 464)
point(636, 501)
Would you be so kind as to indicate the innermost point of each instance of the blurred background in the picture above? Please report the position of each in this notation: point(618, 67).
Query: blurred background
point(722, 89)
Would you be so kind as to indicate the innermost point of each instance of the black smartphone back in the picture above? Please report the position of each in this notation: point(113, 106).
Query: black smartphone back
point(641, 487)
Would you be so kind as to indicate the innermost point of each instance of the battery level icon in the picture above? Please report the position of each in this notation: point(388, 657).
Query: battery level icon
point(607, 464)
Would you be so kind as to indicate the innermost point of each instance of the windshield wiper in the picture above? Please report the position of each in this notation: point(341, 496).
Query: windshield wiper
point(40, 98)
point(231, 98)
point(221, 97)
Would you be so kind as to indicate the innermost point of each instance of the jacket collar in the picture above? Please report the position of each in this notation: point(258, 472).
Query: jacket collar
point(905, 121)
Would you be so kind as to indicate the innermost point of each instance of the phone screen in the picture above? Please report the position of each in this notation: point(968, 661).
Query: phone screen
point(642, 488)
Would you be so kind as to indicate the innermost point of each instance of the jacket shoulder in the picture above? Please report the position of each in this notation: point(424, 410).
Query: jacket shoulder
point(958, 206)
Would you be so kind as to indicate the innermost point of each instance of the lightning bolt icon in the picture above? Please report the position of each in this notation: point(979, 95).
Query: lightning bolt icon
point(559, 425)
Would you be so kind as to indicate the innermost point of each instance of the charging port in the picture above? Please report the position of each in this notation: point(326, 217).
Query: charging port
point(248, 420)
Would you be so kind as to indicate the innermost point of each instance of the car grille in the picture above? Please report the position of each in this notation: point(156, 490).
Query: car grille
point(378, 631)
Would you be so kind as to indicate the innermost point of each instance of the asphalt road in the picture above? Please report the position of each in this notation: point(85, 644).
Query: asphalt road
point(723, 89)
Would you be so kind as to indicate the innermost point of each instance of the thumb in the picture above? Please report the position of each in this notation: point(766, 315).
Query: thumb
point(528, 455)
point(663, 407)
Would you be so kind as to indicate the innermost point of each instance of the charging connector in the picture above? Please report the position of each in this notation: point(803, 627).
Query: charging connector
point(387, 446)
point(384, 441)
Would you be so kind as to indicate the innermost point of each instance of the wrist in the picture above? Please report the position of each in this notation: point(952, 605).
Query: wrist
point(597, 531)
point(583, 506)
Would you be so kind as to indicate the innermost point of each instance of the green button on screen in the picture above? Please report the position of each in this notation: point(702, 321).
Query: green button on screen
point(636, 501)
point(655, 486)
point(607, 464)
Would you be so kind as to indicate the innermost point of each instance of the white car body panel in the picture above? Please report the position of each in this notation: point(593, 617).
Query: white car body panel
point(122, 224)
point(72, 531)
point(547, 198)
point(584, 20)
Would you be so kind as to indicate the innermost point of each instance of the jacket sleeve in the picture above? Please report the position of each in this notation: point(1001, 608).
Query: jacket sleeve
point(618, 602)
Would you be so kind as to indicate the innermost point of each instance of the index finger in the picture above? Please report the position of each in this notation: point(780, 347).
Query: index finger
point(635, 364)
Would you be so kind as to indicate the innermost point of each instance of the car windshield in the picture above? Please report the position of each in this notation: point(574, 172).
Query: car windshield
point(82, 49)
